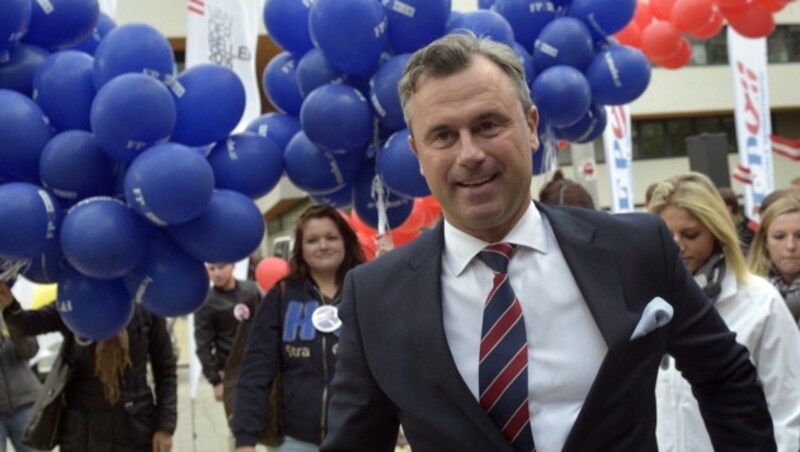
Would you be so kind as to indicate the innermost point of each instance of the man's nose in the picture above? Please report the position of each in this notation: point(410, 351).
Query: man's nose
point(471, 151)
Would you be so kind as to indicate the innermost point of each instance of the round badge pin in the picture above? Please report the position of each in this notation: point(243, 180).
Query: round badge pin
point(241, 312)
point(326, 319)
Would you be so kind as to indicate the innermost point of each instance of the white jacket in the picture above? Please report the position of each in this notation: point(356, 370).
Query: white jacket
point(762, 322)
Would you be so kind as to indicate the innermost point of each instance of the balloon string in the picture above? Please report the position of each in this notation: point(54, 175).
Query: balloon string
point(378, 193)
point(9, 269)
point(550, 157)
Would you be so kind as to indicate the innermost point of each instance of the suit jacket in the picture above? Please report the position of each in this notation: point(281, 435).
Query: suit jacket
point(395, 366)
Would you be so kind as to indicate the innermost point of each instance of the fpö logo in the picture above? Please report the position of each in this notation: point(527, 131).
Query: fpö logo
point(621, 152)
point(752, 120)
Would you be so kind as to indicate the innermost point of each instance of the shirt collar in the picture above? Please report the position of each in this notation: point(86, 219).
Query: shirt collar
point(460, 248)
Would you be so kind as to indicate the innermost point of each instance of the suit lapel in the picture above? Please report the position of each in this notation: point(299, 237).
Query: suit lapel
point(595, 271)
point(426, 326)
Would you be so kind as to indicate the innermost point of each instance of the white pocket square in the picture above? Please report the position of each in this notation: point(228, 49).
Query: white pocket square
point(656, 314)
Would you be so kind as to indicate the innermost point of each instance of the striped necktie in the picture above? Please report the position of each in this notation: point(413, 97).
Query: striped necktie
point(503, 368)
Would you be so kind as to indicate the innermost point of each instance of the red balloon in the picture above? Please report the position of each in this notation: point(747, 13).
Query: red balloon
point(711, 29)
point(733, 3)
point(752, 21)
point(269, 271)
point(368, 245)
point(631, 35)
point(418, 218)
point(401, 238)
point(346, 217)
point(678, 60)
point(662, 9)
point(660, 40)
point(433, 208)
point(773, 6)
point(691, 15)
point(359, 225)
point(643, 15)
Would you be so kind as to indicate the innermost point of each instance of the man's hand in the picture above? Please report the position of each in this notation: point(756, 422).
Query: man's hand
point(246, 449)
point(219, 391)
point(162, 442)
point(5, 296)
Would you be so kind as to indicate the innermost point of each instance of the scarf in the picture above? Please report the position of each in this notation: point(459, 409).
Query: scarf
point(709, 277)
point(112, 357)
point(789, 291)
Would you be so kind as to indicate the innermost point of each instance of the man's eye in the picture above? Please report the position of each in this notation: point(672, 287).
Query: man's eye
point(486, 126)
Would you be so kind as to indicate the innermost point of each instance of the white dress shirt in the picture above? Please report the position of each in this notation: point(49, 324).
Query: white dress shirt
point(565, 346)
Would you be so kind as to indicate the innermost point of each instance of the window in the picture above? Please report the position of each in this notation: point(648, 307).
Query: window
point(783, 46)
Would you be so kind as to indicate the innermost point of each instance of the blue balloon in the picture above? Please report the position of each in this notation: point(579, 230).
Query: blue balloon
point(351, 34)
point(131, 113)
point(247, 163)
point(280, 84)
point(74, 167)
point(14, 18)
point(65, 90)
point(313, 71)
point(546, 155)
point(341, 198)
point(102, 238)
point(413, 24)
point(29, 221)
point(169, 184)
point(527, 18)
point(526, 60)
point(486, 4)
point(47, 267)
point(228, 230)
point(618, 75)
point(210, 101)
point(278, 127)
point(315, 171)
point(603, 17)
point(287, 24)
point(133, 48)
point(562, 95)
point(17, 73)
point(337, 118)
point(484, 23)
point(92, 308)
point(23, 134)
point(168, 282)
point(383, 92)
point(399, 167)
point(588, 128)
point(58, 24)
point(366, 192)
point(89, 44)
point(564, 41)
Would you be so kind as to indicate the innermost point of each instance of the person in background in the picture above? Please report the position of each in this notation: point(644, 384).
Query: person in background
point(648, 194)
point(702, 227)
point(795, 183)
point(215, 323)
point(775, 252)
point(295, 332)
point(109, 403)
point(19, 385)
point(440, 333)
point(561, 191)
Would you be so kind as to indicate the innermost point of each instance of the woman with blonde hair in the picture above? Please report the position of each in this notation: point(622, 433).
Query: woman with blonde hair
point(775, 252)
point(751, 307)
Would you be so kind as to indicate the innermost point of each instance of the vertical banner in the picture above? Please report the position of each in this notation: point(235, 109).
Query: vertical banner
point(109, 7)
point(618, 146)
point(584, 165)
point(195, 368)
point(748, 60)
point(225, 32)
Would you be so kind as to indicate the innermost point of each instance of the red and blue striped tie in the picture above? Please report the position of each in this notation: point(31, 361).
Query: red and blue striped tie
point(503, 368)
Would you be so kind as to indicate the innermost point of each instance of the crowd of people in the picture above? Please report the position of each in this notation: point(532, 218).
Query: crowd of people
point(511, 325)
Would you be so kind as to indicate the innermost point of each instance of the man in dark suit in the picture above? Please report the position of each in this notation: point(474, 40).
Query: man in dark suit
point(514, 326)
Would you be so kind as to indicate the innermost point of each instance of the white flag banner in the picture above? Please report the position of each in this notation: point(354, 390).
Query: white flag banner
point(109, 7)
point(225, 32)
point(748, 60)
point(584, 165)
point(618, 146)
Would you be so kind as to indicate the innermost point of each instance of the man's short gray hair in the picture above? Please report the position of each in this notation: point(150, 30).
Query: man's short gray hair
point(454, 53)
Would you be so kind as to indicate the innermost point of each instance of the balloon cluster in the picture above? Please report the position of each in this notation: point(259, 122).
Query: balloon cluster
point(659, 26)
point(341, 127)
point(119, 178)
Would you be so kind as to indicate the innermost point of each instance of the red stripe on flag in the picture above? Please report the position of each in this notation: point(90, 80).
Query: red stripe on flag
point(196, 10)
point(786, 147)
point(199, 2)
point(743, 174)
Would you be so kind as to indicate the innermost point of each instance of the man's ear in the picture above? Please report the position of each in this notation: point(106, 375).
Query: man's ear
point(533, 124)
point(413, 145)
